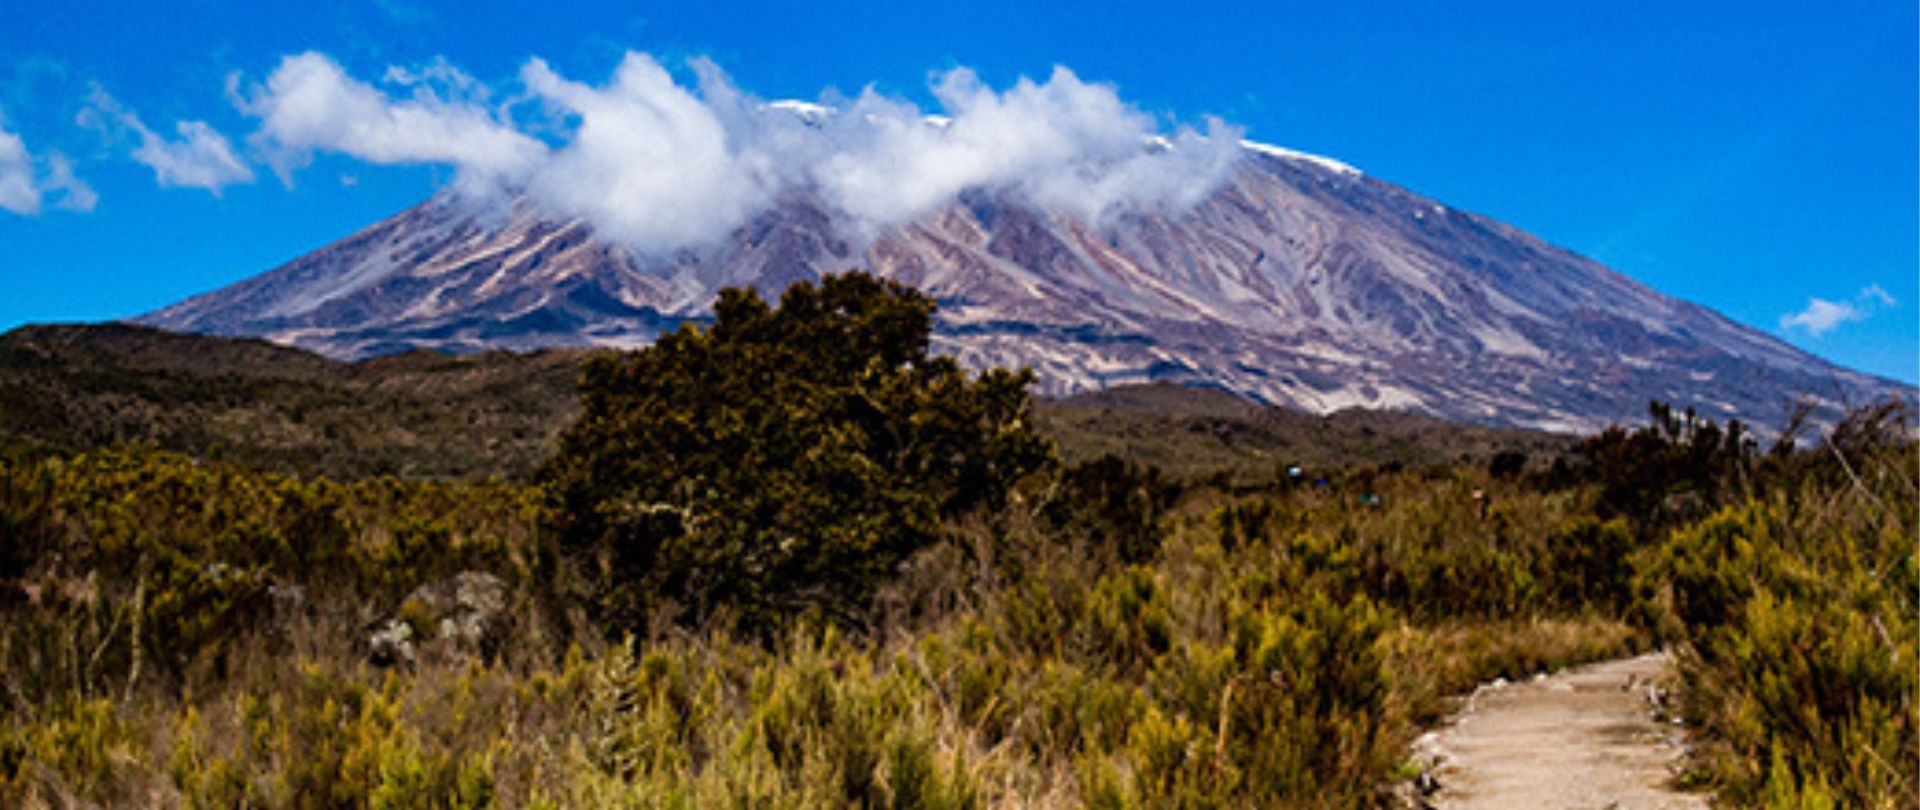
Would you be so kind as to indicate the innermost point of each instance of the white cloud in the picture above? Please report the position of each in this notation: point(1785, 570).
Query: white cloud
point(18, 193)
point(75, 194)
point(662, 167)
point(649, 163)
point(201, 158)
point(1066, 143)
point(24, 186)
point(1822, 316)
point(308, 104)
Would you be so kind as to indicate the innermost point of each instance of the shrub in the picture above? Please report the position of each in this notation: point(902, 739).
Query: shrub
point(1675, 469)
point(782, 460)
point(1113, 507)
point(1589, 565)
point(1800, 617)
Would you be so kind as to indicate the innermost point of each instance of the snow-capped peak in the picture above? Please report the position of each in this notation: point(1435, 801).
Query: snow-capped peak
point(1290, 154)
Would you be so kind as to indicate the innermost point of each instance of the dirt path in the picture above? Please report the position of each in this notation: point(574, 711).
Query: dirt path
point(1582, 738)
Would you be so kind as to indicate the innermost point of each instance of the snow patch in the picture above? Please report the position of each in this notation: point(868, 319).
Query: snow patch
point(1501, 341)
point(1637, 362)
point(1284, 153)
point(1385, 397)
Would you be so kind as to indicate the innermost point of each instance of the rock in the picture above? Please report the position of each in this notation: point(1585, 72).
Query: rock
point(391, 644)
point(1426, 784)
point(465, 614)
point(288, 599)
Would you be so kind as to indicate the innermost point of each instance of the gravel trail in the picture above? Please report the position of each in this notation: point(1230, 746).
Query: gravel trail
point(1582, 738)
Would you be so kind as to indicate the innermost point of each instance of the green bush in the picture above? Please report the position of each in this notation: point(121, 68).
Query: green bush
point(1800, 617)
point(1589, 565)
point(182, 632)
point(1111, 507)
point(1676, 469)
point(781, 460)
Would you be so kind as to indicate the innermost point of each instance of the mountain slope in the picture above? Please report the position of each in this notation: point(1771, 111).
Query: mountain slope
point(1300, 282)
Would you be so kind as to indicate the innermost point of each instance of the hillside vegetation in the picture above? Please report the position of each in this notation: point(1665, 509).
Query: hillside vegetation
point(1193, 432)
point(790, 560)
point(73, 388)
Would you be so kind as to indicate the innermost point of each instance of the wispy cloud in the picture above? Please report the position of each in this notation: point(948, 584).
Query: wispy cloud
point(74, 194)
point(17, 190)
point(663, 166)
point(26, 180)
point(1822, 316)
point(201, 157)
point(309, 104)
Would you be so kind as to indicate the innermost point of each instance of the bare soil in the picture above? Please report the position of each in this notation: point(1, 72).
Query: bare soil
point(1582, 738)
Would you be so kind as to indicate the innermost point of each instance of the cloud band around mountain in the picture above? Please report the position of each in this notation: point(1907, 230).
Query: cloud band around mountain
point(661, 166)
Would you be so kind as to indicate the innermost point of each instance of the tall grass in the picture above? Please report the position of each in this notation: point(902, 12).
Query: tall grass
point(1798, 609)
point(179, 632)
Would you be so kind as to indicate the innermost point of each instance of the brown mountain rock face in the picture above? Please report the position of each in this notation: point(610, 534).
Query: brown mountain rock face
point(1299, 282)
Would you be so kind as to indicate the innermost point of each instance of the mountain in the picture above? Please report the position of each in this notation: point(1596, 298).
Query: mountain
point(1299, 282)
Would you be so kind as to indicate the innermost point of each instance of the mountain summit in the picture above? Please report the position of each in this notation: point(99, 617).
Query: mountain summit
point(1300, 281)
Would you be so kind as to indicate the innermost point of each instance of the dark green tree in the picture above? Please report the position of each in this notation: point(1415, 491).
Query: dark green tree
point(782, 460)
point(1113, 506)
point(1679, 467)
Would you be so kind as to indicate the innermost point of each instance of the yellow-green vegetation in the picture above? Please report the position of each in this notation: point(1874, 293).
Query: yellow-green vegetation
point(69, 389)
point(1249, 655)
point(784, 460)
point(181, 630)
point(73, 388)
point(1197, 432)
point(996, 627)
point(1798, 605)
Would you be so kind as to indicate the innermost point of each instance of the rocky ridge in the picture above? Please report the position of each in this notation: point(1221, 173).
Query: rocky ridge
point(1300, 282)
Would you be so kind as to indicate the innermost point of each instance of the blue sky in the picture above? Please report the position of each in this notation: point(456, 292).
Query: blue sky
point(1759, 158)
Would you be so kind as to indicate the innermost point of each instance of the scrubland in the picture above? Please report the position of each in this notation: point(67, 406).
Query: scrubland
point(178, 630)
